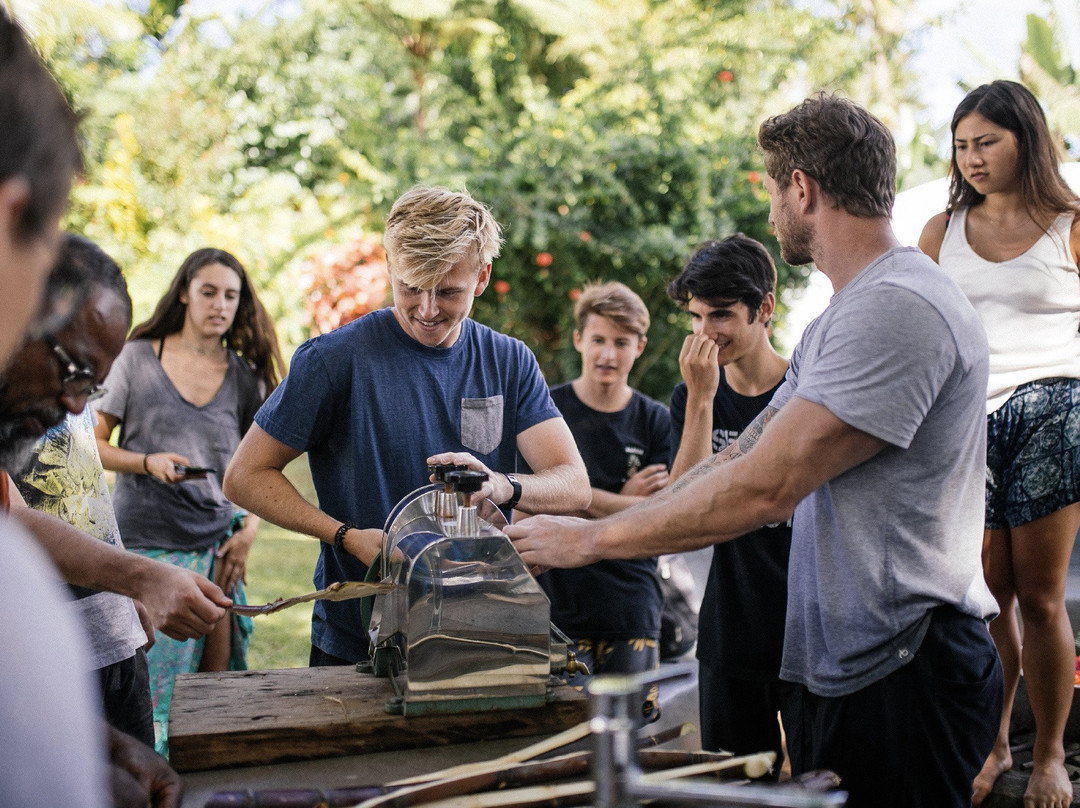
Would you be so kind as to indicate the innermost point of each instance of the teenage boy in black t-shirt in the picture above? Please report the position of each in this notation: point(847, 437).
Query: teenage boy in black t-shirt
point(730, 373)
point(611, 609)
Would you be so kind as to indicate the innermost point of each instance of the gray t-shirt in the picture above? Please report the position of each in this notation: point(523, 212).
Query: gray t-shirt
point(65, 478)
point(901, 355)
point(190, 515)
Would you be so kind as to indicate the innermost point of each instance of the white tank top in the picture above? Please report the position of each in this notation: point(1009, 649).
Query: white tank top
point(1029, 305)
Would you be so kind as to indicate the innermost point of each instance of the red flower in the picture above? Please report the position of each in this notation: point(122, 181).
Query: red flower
point(502, 287)
point(574, 294)
point(586, 236)
point(544, 259)
point(725, 76)
point(753, 176)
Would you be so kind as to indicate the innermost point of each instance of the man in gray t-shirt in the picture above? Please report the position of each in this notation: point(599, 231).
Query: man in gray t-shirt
point(876, 442)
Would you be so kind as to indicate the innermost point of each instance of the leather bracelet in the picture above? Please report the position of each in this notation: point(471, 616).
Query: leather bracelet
point(515, 497)
point(145, 467)
point(339, 535)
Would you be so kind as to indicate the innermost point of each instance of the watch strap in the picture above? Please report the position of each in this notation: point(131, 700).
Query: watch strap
point(516, 496)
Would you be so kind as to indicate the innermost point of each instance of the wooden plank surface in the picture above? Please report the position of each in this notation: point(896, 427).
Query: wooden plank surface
point(246, 718)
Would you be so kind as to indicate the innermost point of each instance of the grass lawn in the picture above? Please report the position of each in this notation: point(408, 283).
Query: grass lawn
point(280, 566)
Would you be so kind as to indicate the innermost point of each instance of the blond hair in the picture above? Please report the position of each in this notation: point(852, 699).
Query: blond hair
point(430, 230)
point(613, 300)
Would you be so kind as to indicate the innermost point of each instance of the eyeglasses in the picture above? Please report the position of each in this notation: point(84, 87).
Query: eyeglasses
point(77, 380)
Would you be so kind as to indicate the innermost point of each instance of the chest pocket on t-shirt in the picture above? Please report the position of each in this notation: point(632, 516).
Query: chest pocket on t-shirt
point(482, 424)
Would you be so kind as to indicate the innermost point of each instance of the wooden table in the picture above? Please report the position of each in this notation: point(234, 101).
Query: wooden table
point(246, 718)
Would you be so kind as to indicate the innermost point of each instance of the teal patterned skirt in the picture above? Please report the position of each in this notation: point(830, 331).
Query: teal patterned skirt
point(169, 657)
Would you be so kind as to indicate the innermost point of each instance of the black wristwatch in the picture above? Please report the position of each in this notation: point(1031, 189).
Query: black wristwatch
point(510, 503)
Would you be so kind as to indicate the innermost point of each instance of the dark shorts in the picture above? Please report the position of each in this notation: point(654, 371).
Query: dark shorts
point(125, 692)
point(1033, 453)
point(637, 655)
point(739, 715)
point(917, 737)
point(318, 658)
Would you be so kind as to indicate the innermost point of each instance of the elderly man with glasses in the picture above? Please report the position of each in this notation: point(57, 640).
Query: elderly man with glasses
point(47, 444)
point(56, 374)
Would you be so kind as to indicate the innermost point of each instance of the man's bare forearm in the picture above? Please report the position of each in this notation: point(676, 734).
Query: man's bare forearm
point(179, 602)
point(268, 493)
point(743, 444)
point(82, 559)
point(559, 489)
point(695, 444)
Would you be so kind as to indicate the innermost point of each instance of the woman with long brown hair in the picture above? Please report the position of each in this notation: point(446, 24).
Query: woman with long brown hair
point(183, 392)
point(1010, 237)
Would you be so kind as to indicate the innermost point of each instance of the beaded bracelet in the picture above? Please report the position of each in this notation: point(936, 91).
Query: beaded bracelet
point(339, 536)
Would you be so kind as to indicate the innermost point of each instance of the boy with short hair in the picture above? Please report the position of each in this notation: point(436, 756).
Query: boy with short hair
point(731, 372)
point(375, 401)
point(611, 609)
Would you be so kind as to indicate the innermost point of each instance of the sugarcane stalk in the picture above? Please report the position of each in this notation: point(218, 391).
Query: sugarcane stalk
point(559, 795)
point(564, 738)
point(752, 766)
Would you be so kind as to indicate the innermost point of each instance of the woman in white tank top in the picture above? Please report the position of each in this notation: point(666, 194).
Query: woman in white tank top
point(1010, 237)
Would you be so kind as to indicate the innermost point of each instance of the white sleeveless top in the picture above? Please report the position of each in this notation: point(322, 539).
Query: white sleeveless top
point(1029, 305)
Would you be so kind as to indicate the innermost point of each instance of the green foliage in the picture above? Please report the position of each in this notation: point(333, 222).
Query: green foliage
point(281, 565)
point(627, 209)
point(1042, 46)
point(611, 134)
point(1045, 68)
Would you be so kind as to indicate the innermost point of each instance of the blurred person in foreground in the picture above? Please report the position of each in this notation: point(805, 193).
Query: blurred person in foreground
point(377, 400)
point(51, 748)
point(876, 443)
point(53, 745)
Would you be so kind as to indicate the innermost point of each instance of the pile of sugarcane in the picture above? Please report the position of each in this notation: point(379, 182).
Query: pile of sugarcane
point(528, 778)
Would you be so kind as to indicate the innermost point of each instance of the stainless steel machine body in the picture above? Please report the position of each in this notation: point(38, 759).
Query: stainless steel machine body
point(468, 627)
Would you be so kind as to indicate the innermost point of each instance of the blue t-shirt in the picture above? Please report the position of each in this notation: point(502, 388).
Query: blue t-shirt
point(611, 599)
point(369, 405)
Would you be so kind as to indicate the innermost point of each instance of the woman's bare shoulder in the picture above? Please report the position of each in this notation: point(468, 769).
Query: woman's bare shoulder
point(933, 234)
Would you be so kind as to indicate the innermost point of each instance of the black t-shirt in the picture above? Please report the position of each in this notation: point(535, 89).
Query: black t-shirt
point(741, 622)
point(611, 599)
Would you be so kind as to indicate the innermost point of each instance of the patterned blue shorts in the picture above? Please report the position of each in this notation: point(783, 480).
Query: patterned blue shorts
point(1033, 453)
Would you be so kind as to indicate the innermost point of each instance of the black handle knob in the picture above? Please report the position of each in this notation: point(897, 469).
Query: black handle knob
point(466, 482)
point(440, 470)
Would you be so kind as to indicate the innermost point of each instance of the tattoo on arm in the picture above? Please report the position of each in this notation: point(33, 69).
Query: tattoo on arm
point(743, 444)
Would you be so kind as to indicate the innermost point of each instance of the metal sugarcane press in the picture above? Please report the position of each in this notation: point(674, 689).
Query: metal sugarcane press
point(467, 627)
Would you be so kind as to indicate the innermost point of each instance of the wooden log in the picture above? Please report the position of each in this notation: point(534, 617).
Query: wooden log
point(293, 798)
point(645, 740)
point(513, 775)
point(244, 718)
point(509, 776)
